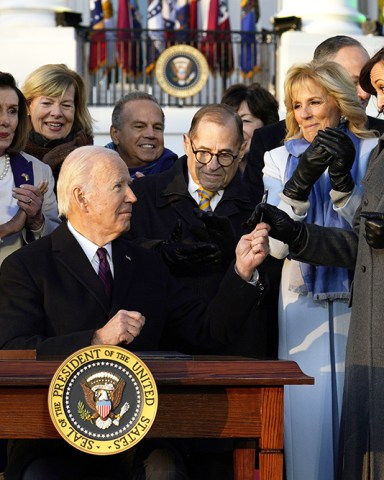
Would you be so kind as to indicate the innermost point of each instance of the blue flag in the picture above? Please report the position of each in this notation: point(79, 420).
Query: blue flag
point(248, 53)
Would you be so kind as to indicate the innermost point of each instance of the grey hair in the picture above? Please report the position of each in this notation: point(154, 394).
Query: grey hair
point(219, 113)
point(130, 97)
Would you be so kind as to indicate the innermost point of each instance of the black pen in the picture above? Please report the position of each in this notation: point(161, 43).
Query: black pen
point(263, 200)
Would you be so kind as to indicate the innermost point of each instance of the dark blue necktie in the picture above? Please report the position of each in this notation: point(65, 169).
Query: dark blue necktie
point(105, 273)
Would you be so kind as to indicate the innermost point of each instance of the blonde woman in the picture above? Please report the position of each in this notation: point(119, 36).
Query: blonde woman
point(316, 178)
point(59, 117)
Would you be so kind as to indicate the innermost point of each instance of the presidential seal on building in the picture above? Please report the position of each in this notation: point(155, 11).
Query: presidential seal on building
point(103, 399)
point(181, 71)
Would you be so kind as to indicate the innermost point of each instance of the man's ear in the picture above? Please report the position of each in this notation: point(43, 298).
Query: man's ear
point(242, 150)
point(80, 198)
point(187, 143)
point(113, 132)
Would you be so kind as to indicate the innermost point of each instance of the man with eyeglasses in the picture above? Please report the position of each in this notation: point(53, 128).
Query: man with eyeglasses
point(198, 243)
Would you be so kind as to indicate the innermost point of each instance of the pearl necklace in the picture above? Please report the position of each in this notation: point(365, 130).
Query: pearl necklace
point(6, 166)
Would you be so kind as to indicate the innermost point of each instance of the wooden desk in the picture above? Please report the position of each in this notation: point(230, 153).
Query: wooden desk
point(211, 397)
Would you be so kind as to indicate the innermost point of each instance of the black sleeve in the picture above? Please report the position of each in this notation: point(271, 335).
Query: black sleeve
point(263, 140)
point(328, 246)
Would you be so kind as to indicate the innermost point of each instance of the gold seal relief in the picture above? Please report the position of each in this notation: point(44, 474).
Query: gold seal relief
point(182, 71)
point(103, 400)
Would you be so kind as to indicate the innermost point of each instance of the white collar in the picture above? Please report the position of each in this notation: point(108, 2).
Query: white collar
point(89, 247)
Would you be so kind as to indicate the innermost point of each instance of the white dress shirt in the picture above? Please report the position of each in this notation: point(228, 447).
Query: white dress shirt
point(192, 189)
point(90, 249)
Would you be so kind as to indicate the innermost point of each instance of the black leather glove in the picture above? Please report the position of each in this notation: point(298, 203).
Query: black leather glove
point(283, 228)
point(182, 257)
point(343, 152)
point(312, 164)
point(216, 229)
point(374, 228)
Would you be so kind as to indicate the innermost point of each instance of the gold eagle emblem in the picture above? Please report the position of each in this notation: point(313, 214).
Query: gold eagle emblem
point(103, 392)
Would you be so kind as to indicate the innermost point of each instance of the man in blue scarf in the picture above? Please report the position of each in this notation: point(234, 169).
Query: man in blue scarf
point(137, 133)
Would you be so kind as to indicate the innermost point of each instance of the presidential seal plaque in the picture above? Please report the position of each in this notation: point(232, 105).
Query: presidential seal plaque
point(103, 400)
point(182, 71)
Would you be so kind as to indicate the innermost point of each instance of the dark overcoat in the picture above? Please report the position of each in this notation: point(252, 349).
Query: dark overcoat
point(52, 300)
point(164, 199)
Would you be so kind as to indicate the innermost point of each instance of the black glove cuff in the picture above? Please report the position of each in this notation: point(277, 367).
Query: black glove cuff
point(296, 190)
point(344, 183)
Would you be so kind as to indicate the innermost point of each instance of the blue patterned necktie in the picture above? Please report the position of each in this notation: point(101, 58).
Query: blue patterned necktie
point(205, 199)
point(105, 273)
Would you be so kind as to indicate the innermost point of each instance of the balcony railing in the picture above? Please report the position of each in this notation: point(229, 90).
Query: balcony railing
point(112, 80)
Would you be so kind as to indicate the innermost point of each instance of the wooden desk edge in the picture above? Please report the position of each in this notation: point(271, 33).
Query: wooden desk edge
point(20, 367)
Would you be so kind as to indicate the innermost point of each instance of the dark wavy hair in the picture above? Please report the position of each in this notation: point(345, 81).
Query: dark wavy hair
point(365, 74)
point(261, 103)
point(20, 138)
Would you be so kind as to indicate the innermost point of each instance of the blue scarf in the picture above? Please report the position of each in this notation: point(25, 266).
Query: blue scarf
point(165, 161)
point(325, 283)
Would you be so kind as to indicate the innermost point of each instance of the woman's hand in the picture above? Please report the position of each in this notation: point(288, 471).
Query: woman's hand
point(30, 200)
point(14, 225)
point(312, 164)
point(340, 146)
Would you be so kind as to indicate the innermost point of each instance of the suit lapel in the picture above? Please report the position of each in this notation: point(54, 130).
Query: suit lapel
point(173, 191)
point(22, 170)
point(122, 264)
point(69, 253)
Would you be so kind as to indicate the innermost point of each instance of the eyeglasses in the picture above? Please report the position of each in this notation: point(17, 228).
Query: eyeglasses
point(225, 159)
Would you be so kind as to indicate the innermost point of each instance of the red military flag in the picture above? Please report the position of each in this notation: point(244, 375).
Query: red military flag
point(193, 15)
point(129, 51)
point(217, 44)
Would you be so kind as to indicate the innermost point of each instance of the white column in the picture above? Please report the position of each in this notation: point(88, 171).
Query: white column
point(325, 16)
point(28, 13)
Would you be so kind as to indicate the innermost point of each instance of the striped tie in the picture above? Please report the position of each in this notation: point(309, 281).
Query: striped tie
point(105, 273)
point(205, 199)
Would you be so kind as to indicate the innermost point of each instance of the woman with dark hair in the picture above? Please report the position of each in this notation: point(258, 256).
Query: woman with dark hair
point(256, 107)
point(28, 207)
point(60, 120)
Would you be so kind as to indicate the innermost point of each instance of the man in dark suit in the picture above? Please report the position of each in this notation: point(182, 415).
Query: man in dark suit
point(53, 300)
point(167, 217)
point(344, 50)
